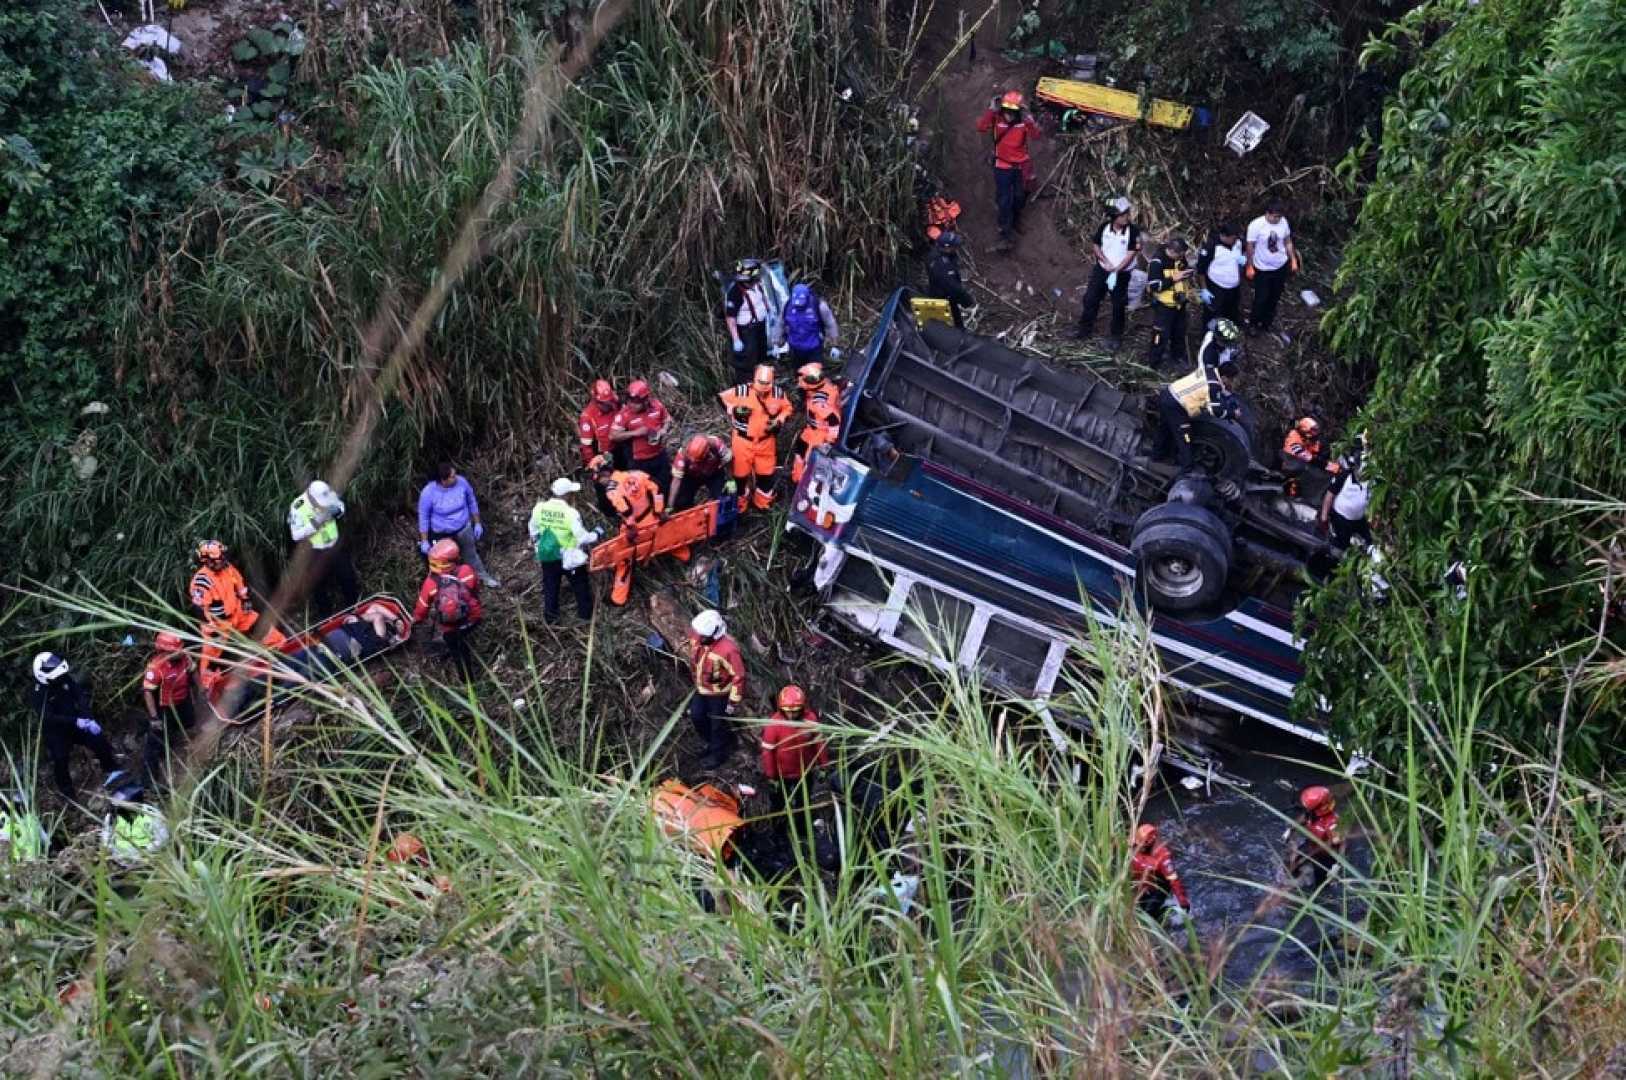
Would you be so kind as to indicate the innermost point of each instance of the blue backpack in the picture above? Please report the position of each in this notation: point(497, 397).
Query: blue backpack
point(804, 331)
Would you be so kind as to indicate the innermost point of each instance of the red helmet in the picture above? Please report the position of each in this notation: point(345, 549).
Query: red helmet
point(792, 699)
point(697, 449)
point(168, 642)
point(445, 553)
point(763, 377)
point(604, 392)
point(637, 389)
point(1012, 99)
point(810, 374)
point(406, 848)
point(1315, 799)
point(1308, 427)
point(1145, 836)
point(211, 551)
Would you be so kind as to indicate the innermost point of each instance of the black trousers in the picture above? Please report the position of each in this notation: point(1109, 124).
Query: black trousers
point(798, 357)
point(335, 575)
point(1153, 902)
point(690, 486)
point(658, 469)
point(754, 336)
point(60, 738)
point(711, 723)
point(1010, 195)
point(1267, 292)
point(458, 648)
point(1095, 292)
point(1344, 530)
point(1227, 304)
point(171, 730)
point(553, 573)
point(1174, 429)
point(1168, 335)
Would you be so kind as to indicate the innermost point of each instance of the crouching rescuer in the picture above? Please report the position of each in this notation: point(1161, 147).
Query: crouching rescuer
point(1204, 391)
point(1152, 872)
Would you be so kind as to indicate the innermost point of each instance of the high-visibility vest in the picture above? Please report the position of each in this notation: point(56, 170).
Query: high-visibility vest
point(304, 514)
point(23, 837)
point(557, 517)
point(1192, 392)
point(133, 837)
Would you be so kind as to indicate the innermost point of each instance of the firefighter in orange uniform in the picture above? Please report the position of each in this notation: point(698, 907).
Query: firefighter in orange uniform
point(222, 598)
point(822, 400)
point(1303, 450)
point(757, 410)
point(1151, 871)
point(640, 506)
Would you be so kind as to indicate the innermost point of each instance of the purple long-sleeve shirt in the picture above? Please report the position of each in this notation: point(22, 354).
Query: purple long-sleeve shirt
point(446, 509)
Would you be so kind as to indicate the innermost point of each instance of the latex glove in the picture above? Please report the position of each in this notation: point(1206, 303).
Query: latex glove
point(779, 350)
point(423, 547)
point(479, 530)
point(835, 353)
point(739, 346)
point(593, 537)
point(730, 488)
point(1112, 280)
point(88, 726)
point(1206, 296)
point(731, 708)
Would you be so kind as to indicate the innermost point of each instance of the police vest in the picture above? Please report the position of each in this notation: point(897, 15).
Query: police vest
point(24, 838)
point(304, 514)
point(804, 331)
point(555, 516)
point(1191, 391)
point(134, 836)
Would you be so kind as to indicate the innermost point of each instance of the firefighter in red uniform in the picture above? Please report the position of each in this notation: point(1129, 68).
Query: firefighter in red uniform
point(791, 749)
point(1320, 845)
point(1011, 127)
point(1151, 871)
point(166, 690)
point(221, 596)
point(639, 506)
point(703, 464)
point(719, 685)
point(757, 410)
point(639, 425)
point(822, 400)
point(593, 431)
point(452, 591)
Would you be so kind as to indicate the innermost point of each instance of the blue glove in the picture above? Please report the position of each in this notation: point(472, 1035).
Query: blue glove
point(88, 726)
point(479, 530)
point(423, 547)
point(835, 354)
point(1207, 296)
point(739, 346)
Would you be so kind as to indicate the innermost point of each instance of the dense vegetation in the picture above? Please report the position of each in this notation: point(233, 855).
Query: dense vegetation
point(1484, 279)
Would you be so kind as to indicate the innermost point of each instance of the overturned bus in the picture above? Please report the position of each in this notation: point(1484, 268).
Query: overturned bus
point(981, 497)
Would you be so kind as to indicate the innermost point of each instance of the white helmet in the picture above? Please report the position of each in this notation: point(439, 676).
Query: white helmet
point(319, 493)
point(49, 667)
point(709, 625)
point(565, 486)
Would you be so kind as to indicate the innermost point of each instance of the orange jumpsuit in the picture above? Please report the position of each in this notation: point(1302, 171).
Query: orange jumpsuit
point(823, 424)
point(1299, 454)
point(222, 597)
point(757, 418)
point(639, 504)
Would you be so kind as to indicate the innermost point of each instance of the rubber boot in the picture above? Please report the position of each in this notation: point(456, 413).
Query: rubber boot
point(621, 584)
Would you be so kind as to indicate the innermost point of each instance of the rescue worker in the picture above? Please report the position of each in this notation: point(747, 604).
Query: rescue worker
point(314, 517)
point(640, 506)
point(166, 690)
point(1221, 344)
point(1116, 246)
point(1151, 871)
point(1011, 127)
point(447, 508)
point(703, 464)
point(1205, 390)
point(757, 410)
point(1271, 258)
point(1318, 847)
point(559, 537)
point(810, 325)
point(943, 277)
point(1302, 450)
point(1220, 262)
point(822, 426)
point(222, 598)
point(452, 591)
point(745, 313)
point(791, 749)
point(593, 430)
point(640, 425)
point(1343, 507)
point(63, 708)
point(719, 685)
point(132, 830)
point(1168, 281)
point(22, 835)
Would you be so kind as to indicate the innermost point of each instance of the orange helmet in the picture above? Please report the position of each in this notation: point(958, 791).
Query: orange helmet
point(211, 551)
point(168, 642)
point(792, 699)
point(603, 392)
point(810, 375)
point(444, 554)
point(406, 848)
point(763, 377)
point(697, 449)
point(1308, 427)
point(601, 464)
point(1145, 836)
point(1012, 99)
point(1315, 799)
point(637, 390)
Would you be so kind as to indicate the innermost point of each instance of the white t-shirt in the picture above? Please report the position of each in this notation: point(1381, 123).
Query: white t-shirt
point(1350, 501)
point(1269, 242)
point(1115, 244)
point(1225, 270)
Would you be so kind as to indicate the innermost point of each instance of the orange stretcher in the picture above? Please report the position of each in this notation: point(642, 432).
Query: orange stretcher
point(255, 678)
point(1118, 104)
point(704, 819)
point(682, 529)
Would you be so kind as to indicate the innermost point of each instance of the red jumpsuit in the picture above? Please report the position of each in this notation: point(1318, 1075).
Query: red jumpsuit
point(791, 747)
point(1154, 877)
point(593, 429)
point(1321, 848)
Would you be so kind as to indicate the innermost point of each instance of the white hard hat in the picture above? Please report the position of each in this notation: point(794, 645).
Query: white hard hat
point(320, 493)
point(709, 624)
point(565, 486)
point(48, 667)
